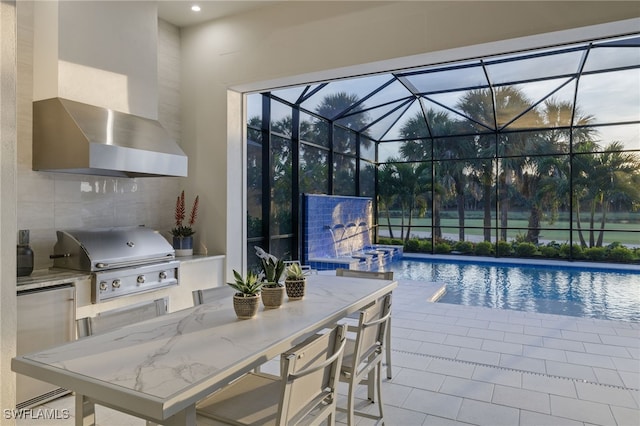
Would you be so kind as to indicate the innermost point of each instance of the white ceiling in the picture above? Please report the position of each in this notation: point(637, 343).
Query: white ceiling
point(178, 12)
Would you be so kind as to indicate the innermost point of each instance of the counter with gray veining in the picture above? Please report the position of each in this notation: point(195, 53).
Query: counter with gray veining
point(162, 367)
point(42, 278)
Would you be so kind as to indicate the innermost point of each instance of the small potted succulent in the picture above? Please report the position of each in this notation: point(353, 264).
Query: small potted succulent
point(272, 289)
point(183, 233)
point(295, 282)
point(246, 301)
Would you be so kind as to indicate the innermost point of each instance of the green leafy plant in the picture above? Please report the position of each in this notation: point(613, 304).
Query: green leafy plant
point(246, 287)
point(484, 248)
point(503, 248)
point(181, 229)
point(294, 272)
point(272, 269)
point(442, 248)
point(524, 249)
point(463, 247)
point(620, 254)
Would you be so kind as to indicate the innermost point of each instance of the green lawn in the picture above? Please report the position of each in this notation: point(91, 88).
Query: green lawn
point(557, 232)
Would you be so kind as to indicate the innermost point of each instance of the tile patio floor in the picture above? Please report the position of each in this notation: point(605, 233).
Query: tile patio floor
point(459, 365)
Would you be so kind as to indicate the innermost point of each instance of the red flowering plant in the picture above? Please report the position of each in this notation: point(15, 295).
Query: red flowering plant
point(181, 229)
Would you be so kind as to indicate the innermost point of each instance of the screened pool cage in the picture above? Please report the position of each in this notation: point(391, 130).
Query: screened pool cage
point(534, 153)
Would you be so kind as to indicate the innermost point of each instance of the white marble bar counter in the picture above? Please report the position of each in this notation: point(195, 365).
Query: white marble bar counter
point(41, 278)
point(159, 369)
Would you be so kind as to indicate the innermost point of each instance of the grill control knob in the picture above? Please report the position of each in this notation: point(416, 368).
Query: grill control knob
point(163, 275)
point(115, 284)
point(103, 285)
point(141, 279)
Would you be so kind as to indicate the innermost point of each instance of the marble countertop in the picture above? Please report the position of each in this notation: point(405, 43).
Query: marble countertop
point(42, 278)
point(160, 367)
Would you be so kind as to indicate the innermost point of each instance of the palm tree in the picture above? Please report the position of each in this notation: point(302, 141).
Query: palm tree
point(387, 191)
point(601, 179)
point(413, 180)
point(546, 179)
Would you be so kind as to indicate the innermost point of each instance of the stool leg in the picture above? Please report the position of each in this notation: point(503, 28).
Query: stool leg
point(388, 348)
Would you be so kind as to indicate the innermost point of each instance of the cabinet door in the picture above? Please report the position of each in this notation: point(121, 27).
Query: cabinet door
point(46, 318)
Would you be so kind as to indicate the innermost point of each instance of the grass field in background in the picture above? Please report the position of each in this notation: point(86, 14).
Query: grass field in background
point(557, 232)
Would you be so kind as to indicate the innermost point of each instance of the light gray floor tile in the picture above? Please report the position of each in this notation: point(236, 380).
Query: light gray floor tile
point(628, 332)
point(487, 334)
point(522, 398)
point(499, 377)
point(549, 385)
point(394, 416)
point(394, 394)
point(472, 323)
point(543, 332)
point(590, 360)
point(608, 377)
point(605, 394)
point(619, 340)
point(581, 337)
point(428, 336)
point(626, 364)
point(408, 345)
point(594, 328)
point(478, 356)
point(563, 369)
point(530, 418)
point(544, 353)
point(585, 411)
point(483, 413)
point(522, 363)
point(444, 351)
point(441, 421)
point(626, 416)
point(466, 388)
point(419, 379)
point(569, 345)
point(523, 339)
point(433, 403)
point(511, 328)
point(463, 341)
point(502, 347)
point(409, 360)
point(451, 368)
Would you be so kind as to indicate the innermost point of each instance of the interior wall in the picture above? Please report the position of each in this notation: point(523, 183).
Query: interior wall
point(8, 316)
point(298, 42)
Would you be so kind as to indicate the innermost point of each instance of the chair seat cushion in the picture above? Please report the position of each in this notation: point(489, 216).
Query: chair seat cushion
point(260, 390)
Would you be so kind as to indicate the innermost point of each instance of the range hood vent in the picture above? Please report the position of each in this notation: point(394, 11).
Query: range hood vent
point(72, 137)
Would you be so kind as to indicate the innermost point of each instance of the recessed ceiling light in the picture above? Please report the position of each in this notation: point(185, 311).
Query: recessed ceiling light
point(195, 8)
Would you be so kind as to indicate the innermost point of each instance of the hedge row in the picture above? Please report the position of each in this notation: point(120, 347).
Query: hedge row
point(614, 252)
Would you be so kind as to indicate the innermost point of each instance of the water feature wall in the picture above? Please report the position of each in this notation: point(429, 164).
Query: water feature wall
point(337, 233)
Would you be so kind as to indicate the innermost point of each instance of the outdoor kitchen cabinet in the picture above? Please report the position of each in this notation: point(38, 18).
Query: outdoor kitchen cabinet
point(46, 318)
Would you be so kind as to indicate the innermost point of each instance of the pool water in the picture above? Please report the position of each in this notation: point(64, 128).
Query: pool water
point(598, 293)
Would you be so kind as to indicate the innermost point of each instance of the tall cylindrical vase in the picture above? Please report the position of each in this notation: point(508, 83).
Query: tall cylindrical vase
point(183, 245)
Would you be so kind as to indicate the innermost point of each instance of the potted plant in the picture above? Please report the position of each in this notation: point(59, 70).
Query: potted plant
point(246, 301)
point(183, 234)
point(295, 282)
point(272, 289)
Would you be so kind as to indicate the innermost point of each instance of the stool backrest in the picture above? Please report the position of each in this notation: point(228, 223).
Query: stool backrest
point(115, 318)
point(382, 275)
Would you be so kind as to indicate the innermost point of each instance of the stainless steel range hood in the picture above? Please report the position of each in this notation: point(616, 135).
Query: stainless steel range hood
point(72, 137)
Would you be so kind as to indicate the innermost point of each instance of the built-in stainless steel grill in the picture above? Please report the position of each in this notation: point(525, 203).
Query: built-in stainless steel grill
point(122, 260)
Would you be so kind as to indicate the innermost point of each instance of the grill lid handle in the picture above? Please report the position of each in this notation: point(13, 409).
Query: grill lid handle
point(59, 256)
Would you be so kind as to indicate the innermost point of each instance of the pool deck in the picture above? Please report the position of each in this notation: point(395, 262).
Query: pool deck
point(462, 365)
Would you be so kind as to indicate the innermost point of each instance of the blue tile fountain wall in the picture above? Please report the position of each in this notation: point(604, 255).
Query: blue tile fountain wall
point(337, 234)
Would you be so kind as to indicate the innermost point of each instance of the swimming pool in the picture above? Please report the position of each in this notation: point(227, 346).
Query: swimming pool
point(565, 290)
